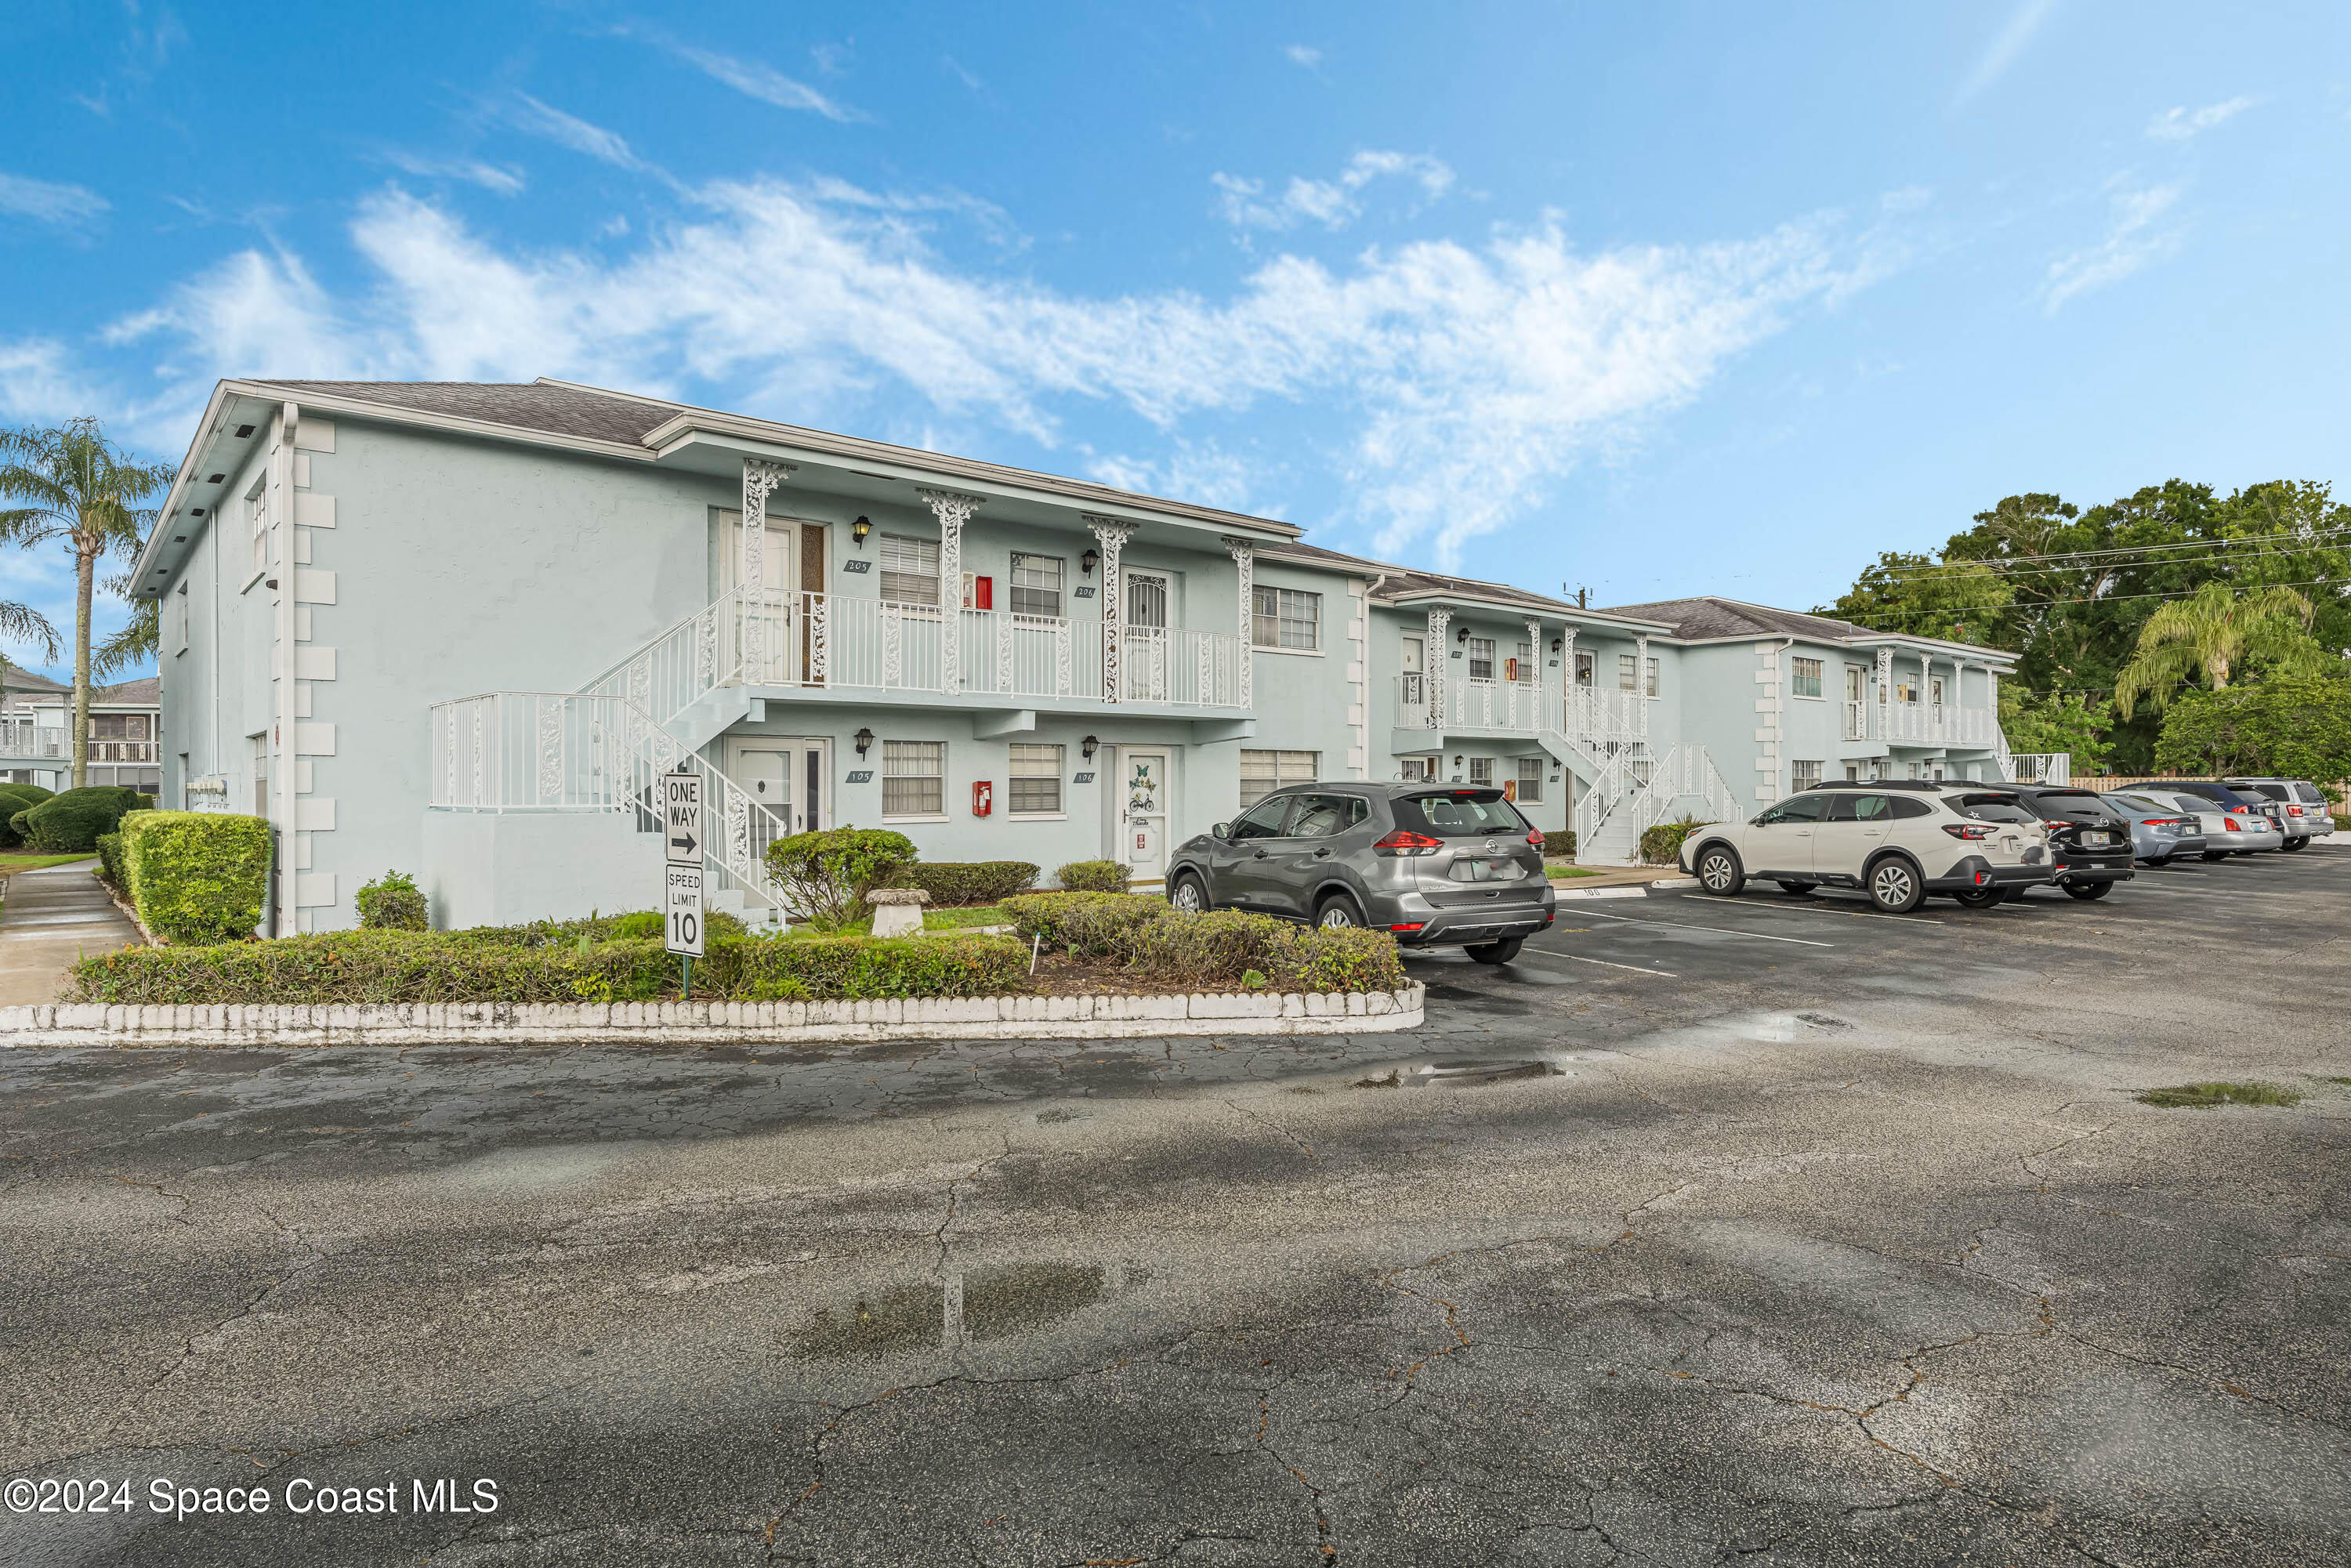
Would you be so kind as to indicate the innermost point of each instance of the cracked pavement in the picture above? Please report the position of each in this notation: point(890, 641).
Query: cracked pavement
point(1762, 1230)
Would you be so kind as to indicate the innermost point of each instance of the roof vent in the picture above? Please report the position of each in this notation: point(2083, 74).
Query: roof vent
point(218, 477)
point(243, 431)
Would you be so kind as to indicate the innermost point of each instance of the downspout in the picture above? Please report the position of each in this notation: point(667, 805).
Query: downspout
point(281, 671)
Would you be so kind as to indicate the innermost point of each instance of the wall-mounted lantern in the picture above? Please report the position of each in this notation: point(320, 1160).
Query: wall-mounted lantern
point(860, 529)
point(864, 739)
point(1087, 562)
point(1088, 747)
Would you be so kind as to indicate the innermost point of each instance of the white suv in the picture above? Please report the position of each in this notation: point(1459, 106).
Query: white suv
point(1899, 840)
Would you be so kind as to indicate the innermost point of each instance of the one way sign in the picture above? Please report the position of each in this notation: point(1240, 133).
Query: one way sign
point(681, 798)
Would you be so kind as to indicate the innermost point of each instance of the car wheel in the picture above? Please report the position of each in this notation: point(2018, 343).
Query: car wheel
point(1980, 897)
point(2216, 855)
point(2292, 844)
point(1720, 873)
point(1188, 895)
point(1338, 913)
point(2087, 890)
point(1798, 888)
point(1895, 886)
point(1500, 952)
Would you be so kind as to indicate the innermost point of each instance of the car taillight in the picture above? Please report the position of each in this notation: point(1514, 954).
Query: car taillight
point(1535, 837)
point(1968, 830)
point(2056, 827)
point(2296, 810)
point(2233, 825)
point(1404, 842)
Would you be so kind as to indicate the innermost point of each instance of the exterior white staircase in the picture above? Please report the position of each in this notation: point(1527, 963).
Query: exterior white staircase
point(1632, 792)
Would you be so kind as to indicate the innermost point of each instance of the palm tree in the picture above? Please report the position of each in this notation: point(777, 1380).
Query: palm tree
point(82, 489)
point(2213, 631)
point(23, 624)
point(137, 640)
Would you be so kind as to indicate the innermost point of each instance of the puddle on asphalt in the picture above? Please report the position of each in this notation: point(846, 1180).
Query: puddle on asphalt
point(1460, 1072)
point(975, 1306)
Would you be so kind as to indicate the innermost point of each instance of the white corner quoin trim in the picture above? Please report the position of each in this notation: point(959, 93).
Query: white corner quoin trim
point(69, 1024)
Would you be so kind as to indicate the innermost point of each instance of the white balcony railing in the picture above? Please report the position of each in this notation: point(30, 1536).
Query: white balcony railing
point(1522, 707)
point(1595, 713)
point(1921, 723)
point(2041, 768)
point(872, 645)
point(20, 738)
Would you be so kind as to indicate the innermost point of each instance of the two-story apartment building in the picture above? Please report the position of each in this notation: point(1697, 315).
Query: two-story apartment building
point(461, 629)
point(37, 733)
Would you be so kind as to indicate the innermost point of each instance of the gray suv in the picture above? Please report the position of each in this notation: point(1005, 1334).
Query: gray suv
point(1433, 865)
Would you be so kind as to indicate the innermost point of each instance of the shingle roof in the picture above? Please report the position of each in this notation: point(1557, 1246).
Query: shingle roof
point(148, 689)
point(1709, 617)
point(559, 410)
point(1402, 582)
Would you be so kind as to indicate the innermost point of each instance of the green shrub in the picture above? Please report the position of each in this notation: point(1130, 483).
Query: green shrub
point(1095, 876)
point(952, 882)
point(1662, 845)
point(15, 797)
point(825, 968)
point(1215, 949)
point(1093, 924)
point(196, 877)
point(393, 901)
point(825, 875)
point(631, 925)
point(353, 967)
point(1559, 845)
point(70, 823)
point(110, 861)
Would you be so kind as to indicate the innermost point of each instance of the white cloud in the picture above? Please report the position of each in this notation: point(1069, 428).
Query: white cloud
point(2006, 45)
point(2133, 239)
point(2180, 123)
point(1332, 203)
point(1305, 55)
point(37, 383)
point(503, 179)
point(764, 82)
point(528, 115)
point(1460, 379)
point(45, 201)
point(1199, 470)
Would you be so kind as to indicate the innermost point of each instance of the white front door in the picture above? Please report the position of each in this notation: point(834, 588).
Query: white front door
point(792, 779)
point(1146, 793)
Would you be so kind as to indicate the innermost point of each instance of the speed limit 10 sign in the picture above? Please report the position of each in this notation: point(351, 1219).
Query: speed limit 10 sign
point(682, 910)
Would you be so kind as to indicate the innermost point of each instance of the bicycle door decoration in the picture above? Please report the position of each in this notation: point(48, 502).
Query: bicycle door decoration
point(1142, 791)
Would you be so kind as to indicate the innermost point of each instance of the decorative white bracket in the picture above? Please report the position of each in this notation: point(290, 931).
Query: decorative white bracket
point(953, 508)
point(1439, 671)
point(1244, 554)
point(760, 479)
point(1112, 535)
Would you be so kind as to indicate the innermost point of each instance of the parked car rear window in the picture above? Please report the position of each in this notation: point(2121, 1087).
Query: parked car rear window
point(2274, 792)
point(2309, 795)
point(1460, 814)
point(2075, 806)
point(1993, 809)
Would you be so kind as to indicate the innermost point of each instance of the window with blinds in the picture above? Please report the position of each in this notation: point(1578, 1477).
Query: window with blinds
point(1481, 771)
point(915, 776)
point(1531, 778)
point(1286, 618)
point(1037, 585)
point(1628, 672)
point(1263, 772)
point(1481, 658)
point(1806, 678)
point(1036, 780)
point(910, 572)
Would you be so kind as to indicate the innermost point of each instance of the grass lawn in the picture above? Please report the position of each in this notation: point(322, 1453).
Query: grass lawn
point(2200, 1096)
point(11, 864)
point(1556, 872)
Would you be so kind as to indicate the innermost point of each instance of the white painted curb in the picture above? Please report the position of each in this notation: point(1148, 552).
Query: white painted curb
point(1675, 882)
point(1621, 890)
point(718, 1023)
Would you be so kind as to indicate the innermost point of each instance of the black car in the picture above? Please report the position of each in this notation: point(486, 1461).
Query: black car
point(2088, 839)
point(2238, 803)
point(1432, 865)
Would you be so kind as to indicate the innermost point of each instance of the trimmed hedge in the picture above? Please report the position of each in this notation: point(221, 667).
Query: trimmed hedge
point(826, 874)
point(345, 967)
point(1219, 948)
point(1095, 876)
point(393, 901)
point(951, 883)
point(629, 926)
point(1662, 845)
point(1562, 844)
point(110, 861)
point(70, 823)
point(196, 877)
point(15, 797)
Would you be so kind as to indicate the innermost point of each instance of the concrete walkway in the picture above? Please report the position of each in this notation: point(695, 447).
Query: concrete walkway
point(49, 919)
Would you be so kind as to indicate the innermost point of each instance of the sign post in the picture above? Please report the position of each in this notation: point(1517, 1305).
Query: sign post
point(682, 919)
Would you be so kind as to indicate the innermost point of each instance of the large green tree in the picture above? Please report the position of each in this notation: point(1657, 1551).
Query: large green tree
point(2296, 726)
point(77, 486)
point(2213, 632)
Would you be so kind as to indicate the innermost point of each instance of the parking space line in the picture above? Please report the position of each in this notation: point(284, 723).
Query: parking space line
point(1665, 973)
point(1815, 909)
point(1725, 930)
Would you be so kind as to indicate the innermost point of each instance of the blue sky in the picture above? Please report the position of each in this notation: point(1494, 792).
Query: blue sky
point(1655, 298)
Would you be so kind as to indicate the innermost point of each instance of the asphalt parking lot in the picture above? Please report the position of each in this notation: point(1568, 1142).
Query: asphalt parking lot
point(1766, 1228)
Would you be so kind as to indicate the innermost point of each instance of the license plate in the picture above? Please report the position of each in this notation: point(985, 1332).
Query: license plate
point(1485, 870)
point(2097, 840)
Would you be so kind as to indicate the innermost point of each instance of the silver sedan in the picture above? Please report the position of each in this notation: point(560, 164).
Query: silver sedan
point(2160, 828)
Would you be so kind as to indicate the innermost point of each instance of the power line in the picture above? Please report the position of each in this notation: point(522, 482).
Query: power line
point(1947, 610)
point(2083, 560)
